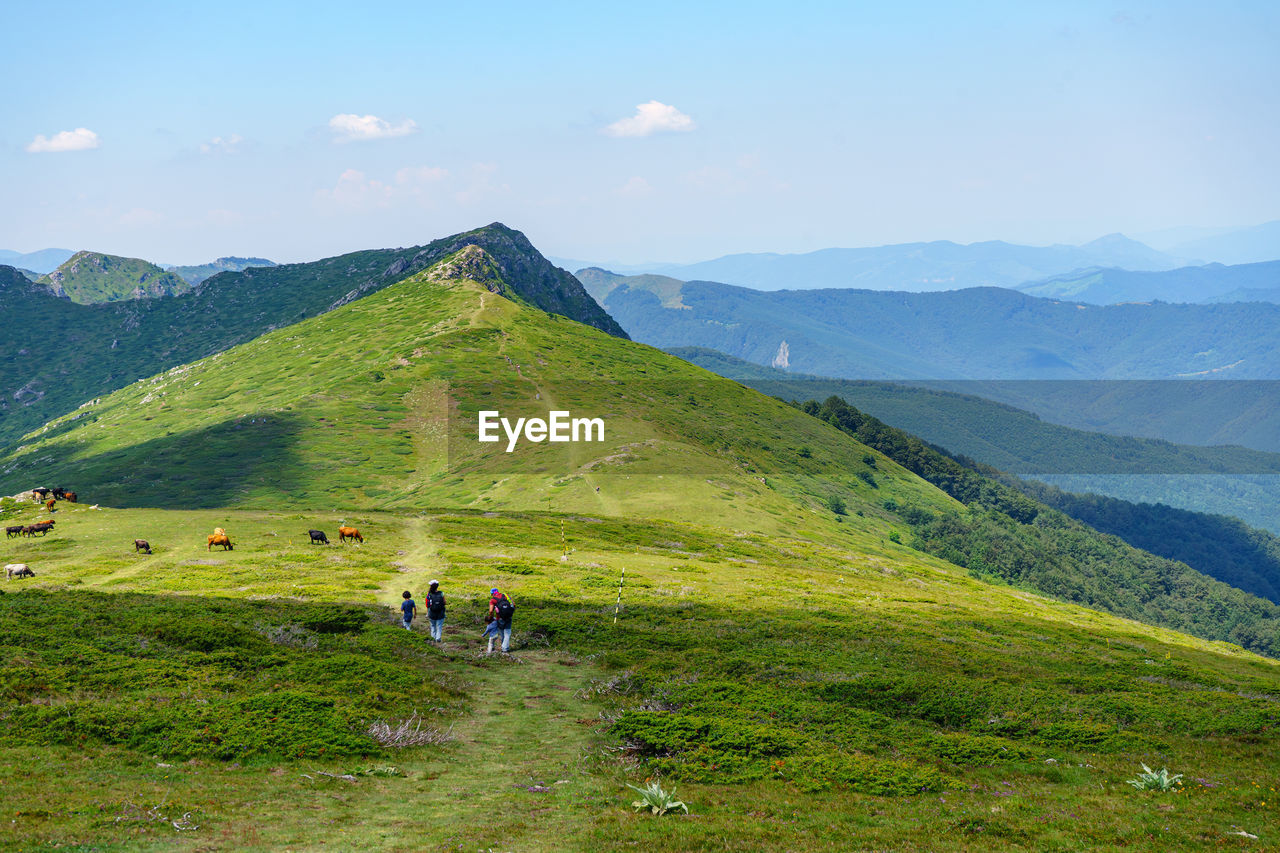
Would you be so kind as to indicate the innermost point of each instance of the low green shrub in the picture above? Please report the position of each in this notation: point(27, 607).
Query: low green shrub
point(977, 750)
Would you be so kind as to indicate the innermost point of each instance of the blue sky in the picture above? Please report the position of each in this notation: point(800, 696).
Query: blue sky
point(297, 131)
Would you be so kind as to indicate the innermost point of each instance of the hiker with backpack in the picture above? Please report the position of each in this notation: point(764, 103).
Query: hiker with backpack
point(435, 611)
point(501, 609)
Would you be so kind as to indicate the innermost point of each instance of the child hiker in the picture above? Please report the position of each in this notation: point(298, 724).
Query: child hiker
point(408, 610)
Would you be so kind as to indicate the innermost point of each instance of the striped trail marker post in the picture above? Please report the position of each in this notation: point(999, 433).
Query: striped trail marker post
point(618, 606)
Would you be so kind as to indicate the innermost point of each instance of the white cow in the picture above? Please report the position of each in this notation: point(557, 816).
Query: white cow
point(18, 570)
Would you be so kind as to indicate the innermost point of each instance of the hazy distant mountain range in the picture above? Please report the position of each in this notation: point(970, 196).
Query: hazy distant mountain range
point(916, 267)
point(978, 333)
point(1257, 282)
point(42, 261)
point(1234, 246)
point(197, 273)
point(944, 265)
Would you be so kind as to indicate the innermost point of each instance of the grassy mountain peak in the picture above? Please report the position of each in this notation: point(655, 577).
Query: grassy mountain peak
point(374, 404)
point(109, 345)
point(92, 277)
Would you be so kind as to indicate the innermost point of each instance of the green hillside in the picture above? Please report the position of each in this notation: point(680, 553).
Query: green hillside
point(999, 435)
point(349, 418)
point(781, 654)
point(193, 274)
point(1020, 533)
point(104, 347)
point(92, 277)
point(375, 404)
point(1222, 480)
point(987, 436)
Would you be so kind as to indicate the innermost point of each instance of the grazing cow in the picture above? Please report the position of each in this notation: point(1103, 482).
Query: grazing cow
point(41, 527)
point(318, 536)
point(39, 494)
point(49, 504)
point(18, 570)
point(345, 533)
point(15, 530)
point(60, 493)
point(220, 539)
point(71, 497)
point(141, 545)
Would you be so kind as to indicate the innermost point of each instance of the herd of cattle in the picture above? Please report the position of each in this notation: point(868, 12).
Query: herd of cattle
point(41, 527)
point(218, 537)
point(41, 496)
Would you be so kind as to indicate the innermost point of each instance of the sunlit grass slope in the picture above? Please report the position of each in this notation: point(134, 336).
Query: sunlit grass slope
point(798, 694)
point(374, 405)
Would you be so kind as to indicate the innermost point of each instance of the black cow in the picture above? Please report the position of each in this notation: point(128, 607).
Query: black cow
point(15, 530)
point(41, 527)
point(39, 494)
point(60, 493)
point(318, 536)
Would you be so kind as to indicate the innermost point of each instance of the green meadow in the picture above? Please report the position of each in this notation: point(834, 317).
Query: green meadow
point(722, 597)
point(793, 693)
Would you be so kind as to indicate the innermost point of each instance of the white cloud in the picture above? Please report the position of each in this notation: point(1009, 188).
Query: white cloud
point(650, 118)
point(416, 175)
point(348, 127)
point(635, 188)
point(483, 182)
point(80, 139)
point(355, 191)
point(222, 145)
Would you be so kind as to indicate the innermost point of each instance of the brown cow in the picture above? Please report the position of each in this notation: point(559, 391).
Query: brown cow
point(345, 533)
point(49, 504)
point(220, 539)
point(141, 545)
point(71, 497)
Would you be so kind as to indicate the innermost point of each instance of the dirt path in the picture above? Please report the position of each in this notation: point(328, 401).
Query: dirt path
point(515, 776)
